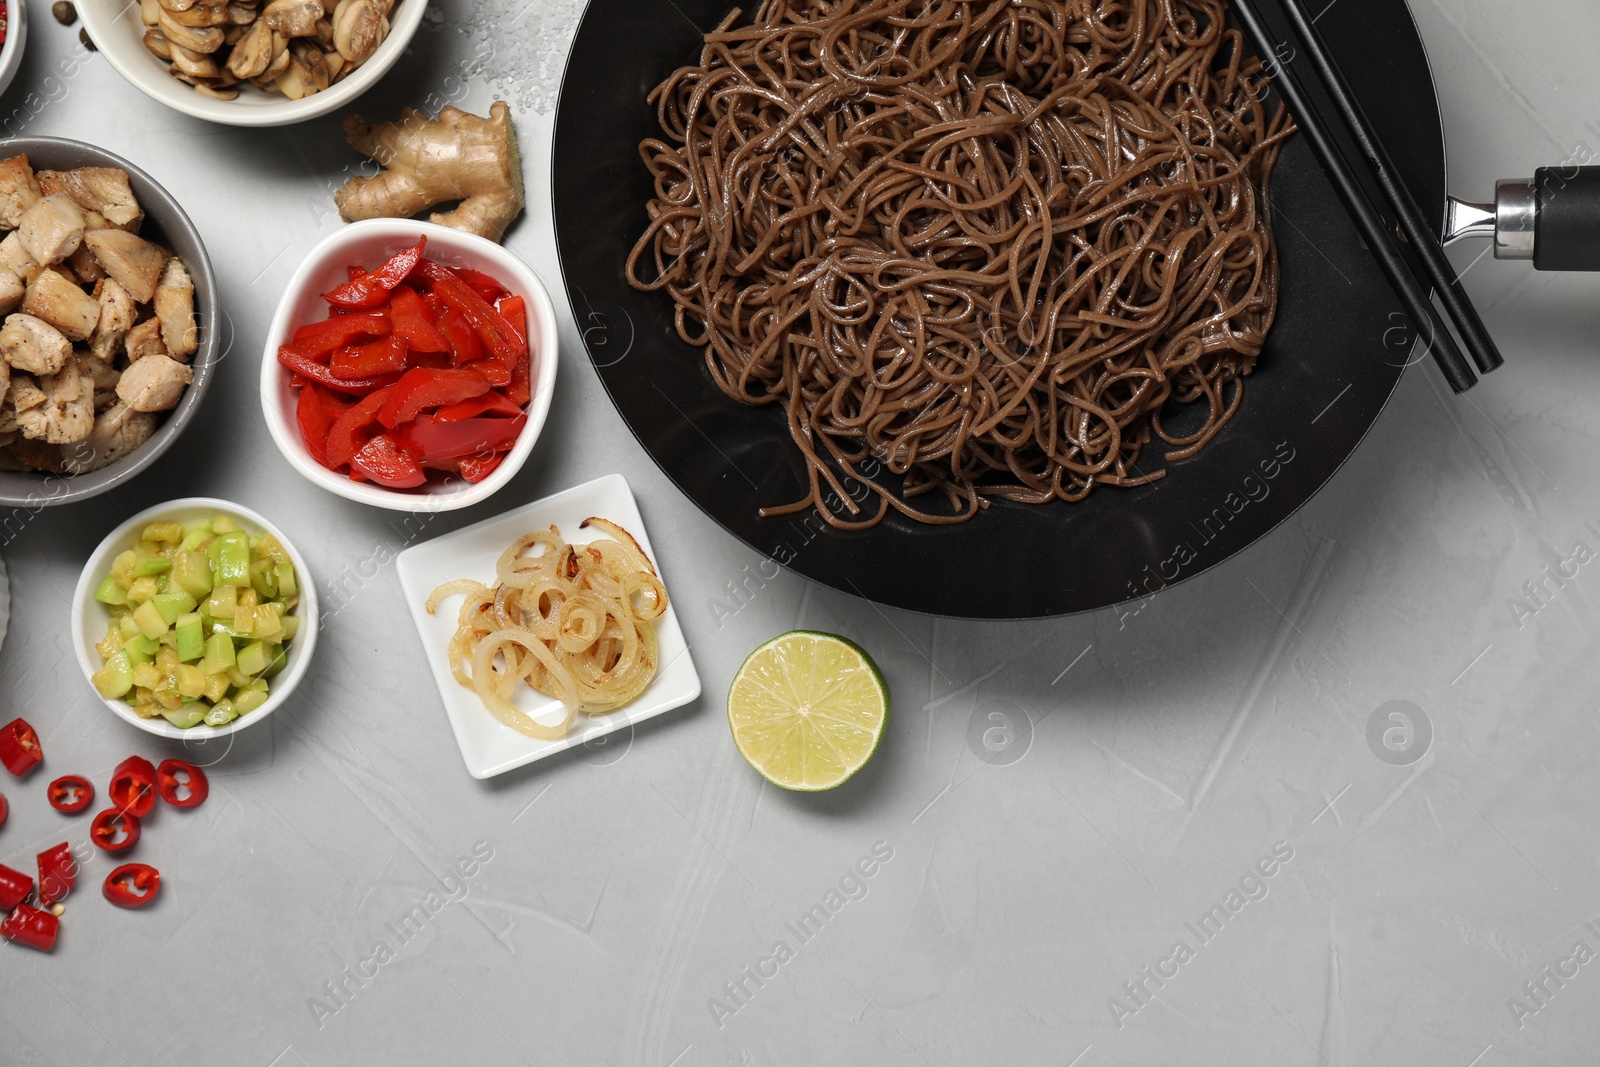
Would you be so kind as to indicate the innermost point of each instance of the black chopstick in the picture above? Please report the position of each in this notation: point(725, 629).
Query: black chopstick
point(1382, 243)
point(1424, 238)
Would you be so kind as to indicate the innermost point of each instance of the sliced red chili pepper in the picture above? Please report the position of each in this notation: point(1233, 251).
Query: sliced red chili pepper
point(351, 430)
point(431, 440)
point(58, 873)
point(14, 887)
point(385, 462)
point(20, 750)
point(386, 355)
point(70, 793)
point(182, 784)
point(420, 389)
point(476, 468)
point(319, 338)
point(307, 367)
point(31, 927)
point(132, 885)
point(372, 288)
point(114, 830)
point(489, 404)
point(414, 321)
point(133, 786)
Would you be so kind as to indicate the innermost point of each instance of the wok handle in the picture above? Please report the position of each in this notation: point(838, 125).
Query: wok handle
point(1567, 218)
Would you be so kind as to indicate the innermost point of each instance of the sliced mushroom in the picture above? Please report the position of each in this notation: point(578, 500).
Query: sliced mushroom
point(195, 64)
point(52, 229)
point(157, 44)
point(355, 28)
point(253, 53)
point(19, 190)
point(178, 5)
point(205, 14)
point(216, 93)
point(204, 40)
point(307, 73)
point(174, 305)
point(33, 345)
point(241, 15)
point(293, 18)
point(149, 11)
point(58, 300)
point(134, 262)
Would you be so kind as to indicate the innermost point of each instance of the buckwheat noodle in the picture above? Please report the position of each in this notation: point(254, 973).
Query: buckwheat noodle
point(975, 244)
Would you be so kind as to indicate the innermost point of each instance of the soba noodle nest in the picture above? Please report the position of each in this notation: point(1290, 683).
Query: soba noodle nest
point(975, 245)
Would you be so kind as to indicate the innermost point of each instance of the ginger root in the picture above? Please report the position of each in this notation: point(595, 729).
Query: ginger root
point(432, 161)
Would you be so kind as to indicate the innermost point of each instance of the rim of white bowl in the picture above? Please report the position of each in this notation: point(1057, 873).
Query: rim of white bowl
point(509, 269)
point(16, 38)
point(301, 649)
point(124, 49)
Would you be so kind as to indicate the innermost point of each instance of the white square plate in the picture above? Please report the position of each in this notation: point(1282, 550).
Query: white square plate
point(488, 746)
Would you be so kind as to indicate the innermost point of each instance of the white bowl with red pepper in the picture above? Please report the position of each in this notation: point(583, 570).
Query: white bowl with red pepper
point(409, 366)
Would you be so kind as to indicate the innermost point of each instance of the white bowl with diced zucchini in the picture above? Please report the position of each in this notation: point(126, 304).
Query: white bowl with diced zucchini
point(195, 616)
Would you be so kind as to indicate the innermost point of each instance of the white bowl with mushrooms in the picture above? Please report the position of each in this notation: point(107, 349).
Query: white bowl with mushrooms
point(252, 62)
point(107, 309)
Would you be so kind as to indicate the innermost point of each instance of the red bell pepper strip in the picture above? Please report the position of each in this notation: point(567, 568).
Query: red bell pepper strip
point(414, 322)
point(431, 440)
point(383, 461)
point(319, 338)
point(132, 885)
point(20, 750)
point(5, 809)
point(497, 335)
point(485, 285)
point(386, 355)
point(495, 373)
point(14, 887)
point(420, 389)
point(372, 288)
point(70, 793)
point(489, 404)
point(58, 873)
point(476, 468)
point(182, 784)
point(350, 430)
point(133, 786)
point(114, 830)
point(31, 927)
point(302, 364)
point(465, 344)
point(520, 389)
point(314, 422)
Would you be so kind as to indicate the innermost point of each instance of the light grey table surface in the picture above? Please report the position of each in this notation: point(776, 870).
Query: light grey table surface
point(634, 896)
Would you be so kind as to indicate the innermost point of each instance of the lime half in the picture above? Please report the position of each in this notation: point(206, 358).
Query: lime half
point(807, 710)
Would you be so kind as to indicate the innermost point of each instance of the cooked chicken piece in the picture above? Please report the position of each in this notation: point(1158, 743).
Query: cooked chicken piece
point(144, 340)
point(52, 229)
point(117, 316)
point(15, 258)
point(105, 377)
point(59, 300)
point(36, 455)
point(5, 387)
point(84, 266)
point(104, 190)
point(175, 308)
point(155, 383)
point(19, 190)
point(51, 182)
point(117, 431)
point(134, 262)
point(67, 415)
point(24, 393)
point(33, 345)
point(8, 411)
point(11, 292)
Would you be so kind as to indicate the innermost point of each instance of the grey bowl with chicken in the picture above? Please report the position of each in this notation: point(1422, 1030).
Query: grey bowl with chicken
point(109, 333)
